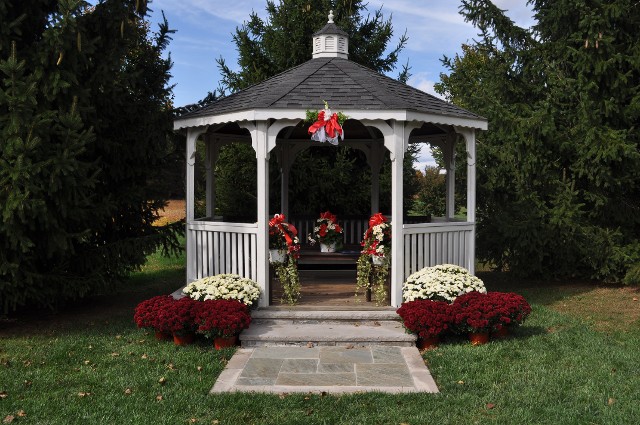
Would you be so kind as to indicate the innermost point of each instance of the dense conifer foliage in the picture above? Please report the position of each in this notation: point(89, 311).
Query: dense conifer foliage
point(85, 125)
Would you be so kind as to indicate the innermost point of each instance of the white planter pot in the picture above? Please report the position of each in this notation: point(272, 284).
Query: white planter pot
point(327, 248)
point(377, 260)
point(277, 255)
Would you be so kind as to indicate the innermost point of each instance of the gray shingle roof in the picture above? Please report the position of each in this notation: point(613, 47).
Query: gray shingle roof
point(342, 83)
point(330, 28)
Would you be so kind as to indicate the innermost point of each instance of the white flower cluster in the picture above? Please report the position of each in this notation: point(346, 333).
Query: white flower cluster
point(224, 287)
point(444, 282)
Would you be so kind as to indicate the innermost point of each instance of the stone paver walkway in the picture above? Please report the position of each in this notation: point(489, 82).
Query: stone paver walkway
point(330, 369)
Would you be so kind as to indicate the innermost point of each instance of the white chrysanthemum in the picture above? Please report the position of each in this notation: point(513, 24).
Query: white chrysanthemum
point(444, 282)
point(224, 286)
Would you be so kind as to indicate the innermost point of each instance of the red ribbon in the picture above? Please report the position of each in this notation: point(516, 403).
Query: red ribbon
point(333, 126)
point(278, 222)
point(318, 124)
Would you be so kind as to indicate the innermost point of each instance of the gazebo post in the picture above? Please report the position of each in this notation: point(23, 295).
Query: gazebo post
point(262, 239)
point(469, 135)
point(285, 167)
point(397, 213)
point(450, 163)
point(211, 153)
point(375, 163)
point(192, 135)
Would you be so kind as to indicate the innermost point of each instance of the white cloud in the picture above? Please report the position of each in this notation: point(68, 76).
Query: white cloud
point(421, 81)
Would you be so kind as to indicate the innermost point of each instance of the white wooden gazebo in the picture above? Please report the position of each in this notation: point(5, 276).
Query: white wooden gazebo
point(384, 115)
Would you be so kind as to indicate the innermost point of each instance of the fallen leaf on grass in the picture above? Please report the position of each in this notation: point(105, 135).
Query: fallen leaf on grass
point(215, 422)
point(26, 363)
point(87, 361)
point(84, 394)
point(611, 401)
point(115, 354)
point(118, 336)
point(170, 366)
point(282, 395)
point(127, 391)
point(461, 382)
point(27, 383)
point(159, 397)
point(490, 405)
point(162, 380)
point(3, 394)
point(22, 413)
point(8, 419)
point(635, 298)
point(144, 356)
point(199, 368)
point(193, 420)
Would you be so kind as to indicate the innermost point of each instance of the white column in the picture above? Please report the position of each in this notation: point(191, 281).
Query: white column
point(397, 239)
point(192, 136)
point(262, 156)
point(450, 163)
point(210, 189)
point(285, 167)
point(470, 140)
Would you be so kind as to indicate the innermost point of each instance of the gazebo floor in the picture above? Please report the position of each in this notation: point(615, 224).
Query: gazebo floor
point(325, 288)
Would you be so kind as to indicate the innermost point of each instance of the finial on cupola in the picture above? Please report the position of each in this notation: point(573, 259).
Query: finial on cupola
point(331, 41)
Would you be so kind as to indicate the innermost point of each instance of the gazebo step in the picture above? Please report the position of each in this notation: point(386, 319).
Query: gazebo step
point(386, 333)
point(327, 316)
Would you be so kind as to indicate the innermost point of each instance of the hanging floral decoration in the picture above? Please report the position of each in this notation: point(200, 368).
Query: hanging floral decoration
point(376, 244)
point(327, 125)
point(284, 236)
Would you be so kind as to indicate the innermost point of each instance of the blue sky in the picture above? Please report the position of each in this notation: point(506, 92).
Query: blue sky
point(205, 28)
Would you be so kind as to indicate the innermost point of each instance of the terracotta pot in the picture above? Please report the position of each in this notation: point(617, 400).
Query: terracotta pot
point(224, 342)
point(500, 334)
point(183, 339)
point(163, 336)
point(427, 343)
point(327, 247)
point(478, 338)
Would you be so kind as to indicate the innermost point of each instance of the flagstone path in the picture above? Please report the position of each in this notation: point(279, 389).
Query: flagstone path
point(330, 369)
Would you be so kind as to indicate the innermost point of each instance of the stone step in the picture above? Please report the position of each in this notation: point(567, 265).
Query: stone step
point(340, 334)
point(304, 316)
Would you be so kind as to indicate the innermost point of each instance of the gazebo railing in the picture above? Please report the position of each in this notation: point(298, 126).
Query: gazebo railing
point(219, 247)
point(430, 244)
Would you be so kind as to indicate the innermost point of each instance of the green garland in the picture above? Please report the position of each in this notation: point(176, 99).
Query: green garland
point(312, 116)
point(287, 273)
point(372, 277)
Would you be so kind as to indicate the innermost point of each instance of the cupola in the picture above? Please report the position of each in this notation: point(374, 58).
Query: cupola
point(331, 41)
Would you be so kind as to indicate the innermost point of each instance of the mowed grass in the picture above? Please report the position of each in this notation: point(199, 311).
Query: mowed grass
point(91, 365)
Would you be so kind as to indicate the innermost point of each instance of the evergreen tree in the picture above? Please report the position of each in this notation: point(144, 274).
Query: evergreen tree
point(559, 169)
point(85, 124)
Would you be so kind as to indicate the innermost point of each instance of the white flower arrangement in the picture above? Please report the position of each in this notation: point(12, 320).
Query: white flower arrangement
point(223, 287)
point(444, 282)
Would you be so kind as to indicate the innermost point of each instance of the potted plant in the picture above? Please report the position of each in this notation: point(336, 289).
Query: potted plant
point(512, 308)
point(427, 319)
point(224, 287)
point(443, 282)
point(327, 232)
point(476, 314)
point(147, 312)
point(284, 251)
point(179, 318)
point(374, 260)
point(222, 320)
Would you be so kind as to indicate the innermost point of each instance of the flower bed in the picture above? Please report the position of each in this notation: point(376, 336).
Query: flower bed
point(474, 312)
point(440, 283)
point(224, 287)
point(222, 318)
point(147, 312)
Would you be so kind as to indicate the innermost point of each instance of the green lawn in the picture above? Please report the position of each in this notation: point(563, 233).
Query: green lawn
point(91, 365)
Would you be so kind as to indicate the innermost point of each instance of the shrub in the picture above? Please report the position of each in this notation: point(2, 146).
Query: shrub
point(426, 318)
point(147, 312)
point(222, 318)
point(224, 287)
point(440, 283)
point(179, 316)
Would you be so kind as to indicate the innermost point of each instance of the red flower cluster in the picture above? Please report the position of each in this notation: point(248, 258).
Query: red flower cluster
point(146, 313)
point(178, 316)
point(479, 312)
point(426, 318)
point(471, 312)
point(329, 230)
point(282, 234)
point(371, 242)
point(224, 318)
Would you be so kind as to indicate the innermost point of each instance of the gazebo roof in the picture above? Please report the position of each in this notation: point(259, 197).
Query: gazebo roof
point(346, 86)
